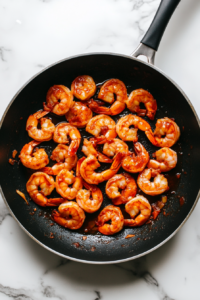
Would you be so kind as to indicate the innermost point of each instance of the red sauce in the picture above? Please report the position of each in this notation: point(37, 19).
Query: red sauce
point(182, 201)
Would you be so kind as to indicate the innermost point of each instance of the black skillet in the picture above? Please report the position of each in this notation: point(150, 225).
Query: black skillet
point(172, 102)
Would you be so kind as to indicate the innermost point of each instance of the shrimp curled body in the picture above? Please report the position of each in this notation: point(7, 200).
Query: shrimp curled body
point(46, 184)
point(91, 163)
point(130, 134)
point(113, 214)
point(47, 127)
point(102, 125)
point(157, 187)
point(90, 199)
point(136, 163)
point(113, 146)
point(70, 215)
point(83, 87)
point(89, 147)
point(33, 160)
point(64, 160)
point(164, 127)
point(79, 115)
point(124, 182)
point(140, 95)
point(107, 91)
point(60, 154)
point(59, 100)
point(63, 181)
point(166, 159)
point(63, 130)
point(140, 211)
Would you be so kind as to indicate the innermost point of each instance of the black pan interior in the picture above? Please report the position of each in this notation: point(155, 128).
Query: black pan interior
point(96, 247)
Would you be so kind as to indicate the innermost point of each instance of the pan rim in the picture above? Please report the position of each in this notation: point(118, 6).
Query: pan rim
point(88, 261)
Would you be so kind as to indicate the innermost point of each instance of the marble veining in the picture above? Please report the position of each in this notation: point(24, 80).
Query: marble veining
point(37, 33)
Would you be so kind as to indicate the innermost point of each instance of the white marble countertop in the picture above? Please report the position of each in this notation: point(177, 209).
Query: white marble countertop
point(36, 33)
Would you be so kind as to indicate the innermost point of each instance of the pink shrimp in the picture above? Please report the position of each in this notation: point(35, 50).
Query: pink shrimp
point(140, 95)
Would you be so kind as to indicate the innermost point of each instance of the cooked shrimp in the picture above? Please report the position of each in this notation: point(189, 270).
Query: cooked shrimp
point(113, 214)
point(83, 87)
point(108, 90)
point(60, 154)
point(91, 163)
point(59, 100)
point(63, 181)
point(124, 182)
point(113, 146)
point(140, 211)
point(111, 87)
point(79, 115)
point(64, 160)
point(63, 130)
point(47, 127)
point(102, 125)
point(164, 127)
point(130, 134)
point(33, 160)
point(136, 163)
point(157, 187)
point(46, 184)
point(116, 108)
point(140, 95)
point(90, 199)
point(66, 178)
point(166, 159)
point(89, 147)
point(70, 215)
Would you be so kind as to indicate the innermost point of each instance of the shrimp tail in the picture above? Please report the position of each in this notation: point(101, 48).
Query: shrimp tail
point(95, 107)
point(46, 108)
point(103, 158)
point(47, 170)
point(98, 140)
point(151, 115)
point(78, 166)
point(55, 201)
point(115, 109)
point(92, 102)
point(150, 136)
point(56, 216)
point(88, 186)
point(40, 114)
point(135, 222)
point(73, 147)
point(129, 223)
point(117, 161)
point(34, 143)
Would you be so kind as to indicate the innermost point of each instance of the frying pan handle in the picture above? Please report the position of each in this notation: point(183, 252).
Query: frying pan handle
point(151, 40)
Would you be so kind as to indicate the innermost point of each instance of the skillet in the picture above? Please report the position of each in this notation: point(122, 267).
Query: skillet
point(172, 102)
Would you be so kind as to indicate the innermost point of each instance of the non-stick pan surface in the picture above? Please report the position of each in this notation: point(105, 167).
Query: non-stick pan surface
point(98, 248)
